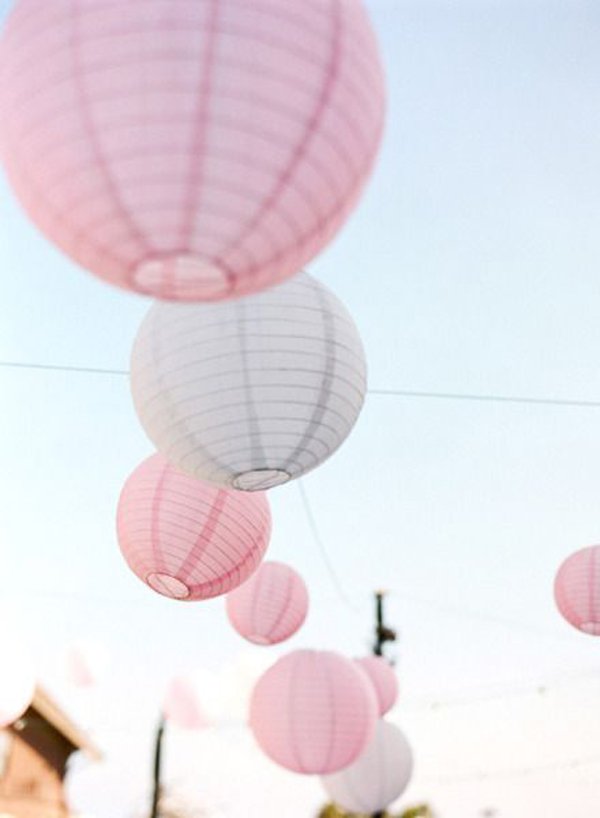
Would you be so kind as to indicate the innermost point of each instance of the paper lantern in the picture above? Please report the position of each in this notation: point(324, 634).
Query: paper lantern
point(249, 394)
point(186, 539)
point(377, 778)
point(383, 679)
point(182, 706)
point(313, 712)
point(577, 590)
point(271, 606)
point(17, 681)
point(190, 149)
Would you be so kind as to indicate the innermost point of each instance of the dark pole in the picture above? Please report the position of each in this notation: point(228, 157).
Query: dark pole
point(378, 646)
point(383, 634)
point(157, 760)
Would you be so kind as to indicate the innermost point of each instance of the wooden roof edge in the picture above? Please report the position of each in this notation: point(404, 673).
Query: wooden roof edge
point(53, 714)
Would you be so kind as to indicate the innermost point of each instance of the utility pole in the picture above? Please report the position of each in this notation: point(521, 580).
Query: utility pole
point(157, 768)
point(383, 634)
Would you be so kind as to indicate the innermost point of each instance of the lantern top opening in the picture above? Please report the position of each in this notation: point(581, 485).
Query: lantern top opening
point(260, 479)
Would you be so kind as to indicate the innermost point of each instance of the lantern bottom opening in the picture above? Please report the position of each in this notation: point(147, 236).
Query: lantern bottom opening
point(182, 276)
point(260, 479)
point(167, 585)
point(593, 628)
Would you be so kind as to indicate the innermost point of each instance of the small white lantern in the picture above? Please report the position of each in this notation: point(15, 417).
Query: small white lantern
point(379, 776)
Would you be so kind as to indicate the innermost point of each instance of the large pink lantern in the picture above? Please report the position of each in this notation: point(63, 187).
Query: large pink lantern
point(577, 590)
point(187, 539)
point(313, 712)
point(271, 606)
point(383, 679)
point(190, 149)
point(378, 777)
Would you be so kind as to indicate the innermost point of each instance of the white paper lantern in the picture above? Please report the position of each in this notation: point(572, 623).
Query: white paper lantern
point(249, 394)
point(378, 777)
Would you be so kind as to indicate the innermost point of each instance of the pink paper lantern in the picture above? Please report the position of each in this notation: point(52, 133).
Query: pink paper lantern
point(271, 606)
point(182, 706)
point(313, 712)
point(186, 539)
point(190, 149)
point(383, 679)
point(577, 590)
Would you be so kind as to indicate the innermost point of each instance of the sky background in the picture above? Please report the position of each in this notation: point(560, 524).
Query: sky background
point(471, 266)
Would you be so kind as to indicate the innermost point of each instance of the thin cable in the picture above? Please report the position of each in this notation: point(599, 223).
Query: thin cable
point(87, 370)
point(312, 523)
point(515, 773)
point(400, 393)
point(481, 398)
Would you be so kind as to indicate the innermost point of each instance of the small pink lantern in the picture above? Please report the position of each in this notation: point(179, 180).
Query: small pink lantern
point(182, 706)
point(313, 712)
point(186, 539)
point(271, 606)
point(383, 679)
point(577, 590)
point(190, 149)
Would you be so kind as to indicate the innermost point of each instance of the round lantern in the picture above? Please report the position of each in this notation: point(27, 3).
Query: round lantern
point(577, 590)
point(182, 705)
point(249, 394)
point(186, 539)
point(271, 606)
point(313, 712)
point(190, 149)
point(17, 681)
point(384, 681)
point(377, 778)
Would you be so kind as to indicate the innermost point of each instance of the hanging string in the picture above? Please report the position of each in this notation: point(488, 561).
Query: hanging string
point(316, 535)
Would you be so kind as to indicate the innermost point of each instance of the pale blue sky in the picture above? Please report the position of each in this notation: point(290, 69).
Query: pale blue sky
point(470, 266)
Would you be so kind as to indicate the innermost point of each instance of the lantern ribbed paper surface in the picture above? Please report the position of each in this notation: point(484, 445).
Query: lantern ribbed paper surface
point(384, 681)
point(271, 606)
point(250, 393)
point(186, 539)
point(313, 712)
point(182, 705)
point(190, 149)
point(378, 777)
point(577, 590)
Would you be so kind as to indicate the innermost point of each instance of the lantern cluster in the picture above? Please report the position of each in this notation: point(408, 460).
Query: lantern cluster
point(199, 152)
point(202, 153)
point(319, 713)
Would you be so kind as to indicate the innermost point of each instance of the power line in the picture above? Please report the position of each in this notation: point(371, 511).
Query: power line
point(516, 772)
point(316, 534)
point(487, 398)
point(400, 393)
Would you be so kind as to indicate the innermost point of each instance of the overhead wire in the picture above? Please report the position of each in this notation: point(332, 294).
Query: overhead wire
point(576, 403)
